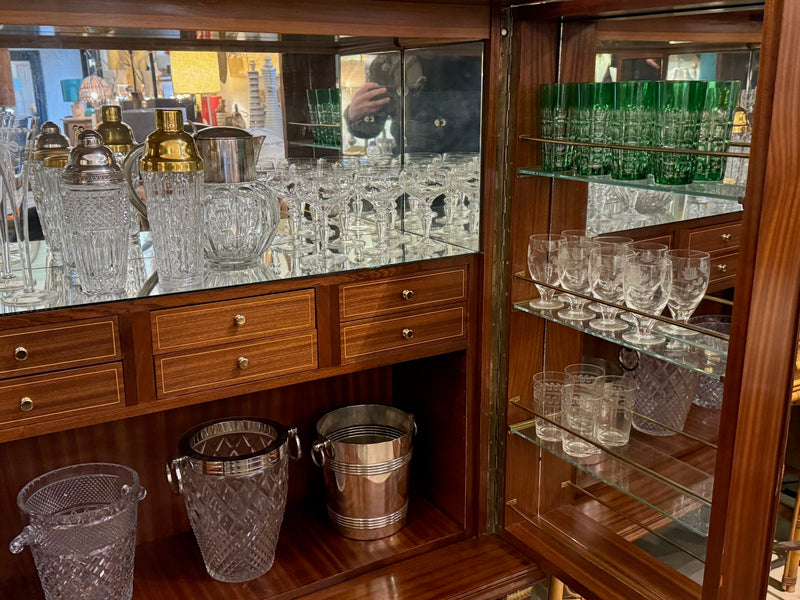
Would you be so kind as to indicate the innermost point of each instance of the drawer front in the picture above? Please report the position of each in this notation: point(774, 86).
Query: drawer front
point(61, 394)
point(360, 300)
point(237, 320)
point(58, 346)
point(724, 238)
point(239, 363)
point(362, 339)
point(723, 270)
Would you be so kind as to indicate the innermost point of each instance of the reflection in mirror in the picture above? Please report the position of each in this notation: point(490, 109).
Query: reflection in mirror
point(721, 47)
point(365, 166)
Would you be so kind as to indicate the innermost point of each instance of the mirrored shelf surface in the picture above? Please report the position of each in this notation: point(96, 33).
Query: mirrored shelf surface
point(709, 189)
point(660, 491)
point(696, 352)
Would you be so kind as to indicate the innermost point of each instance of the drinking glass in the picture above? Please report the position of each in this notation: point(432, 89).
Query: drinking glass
point(575, 235)
point(616, 397)
point(328, 187)
point(631, 124)
point(427, 186)
point(691, 270)
point(647, 286)
point(542, 255)
point(583, 372)
point(709, 391)
point(573, 271)
point(677, 125)
point(648, 251)
point(547, 402)
point(716, 125)
point(556, 101)
point(579, 404)
point(381, 186)
point(591, 124)
point(606, 276)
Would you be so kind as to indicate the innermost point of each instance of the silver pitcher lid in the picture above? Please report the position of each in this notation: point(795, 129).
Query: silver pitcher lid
point(229, 154)
point(90, 162)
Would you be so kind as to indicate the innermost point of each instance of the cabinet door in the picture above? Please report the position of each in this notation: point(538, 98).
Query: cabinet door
point(652, 517)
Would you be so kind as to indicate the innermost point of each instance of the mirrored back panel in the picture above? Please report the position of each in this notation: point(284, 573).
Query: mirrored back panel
point(358, 152)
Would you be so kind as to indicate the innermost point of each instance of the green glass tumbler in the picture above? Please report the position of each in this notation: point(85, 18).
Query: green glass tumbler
point(680, 104)
point(557, 100)
point(591, 125)
point(716, 124)
point(631, 124)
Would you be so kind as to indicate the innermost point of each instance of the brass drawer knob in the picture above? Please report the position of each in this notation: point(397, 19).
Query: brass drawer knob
point(242, 362)
point(20, 353)
point(239, 320)
point(408, 333)
point(26, 404)
point(408, 294)
point(727, 237)
point(722, 268)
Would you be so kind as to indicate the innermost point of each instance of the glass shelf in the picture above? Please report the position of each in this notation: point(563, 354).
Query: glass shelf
point(694, 351)
point(672, 488)
point(313, 145)
point(708, 189)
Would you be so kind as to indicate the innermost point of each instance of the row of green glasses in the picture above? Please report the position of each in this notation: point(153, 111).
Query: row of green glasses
point(324, 108)
point(684, 115)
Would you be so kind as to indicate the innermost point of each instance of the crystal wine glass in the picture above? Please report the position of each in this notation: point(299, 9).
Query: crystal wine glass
point(647, 286)
point(381, 186)
point(573, 271)
point(542, 255)
point(606, 277)
point(691, 270)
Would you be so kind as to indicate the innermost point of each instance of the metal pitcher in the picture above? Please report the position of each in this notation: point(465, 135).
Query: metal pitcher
point(229, 154)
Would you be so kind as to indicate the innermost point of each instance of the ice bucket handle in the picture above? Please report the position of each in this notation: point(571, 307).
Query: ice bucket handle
point(319, 450)
point(295, 439)
point(175, 475)
point(27, 537)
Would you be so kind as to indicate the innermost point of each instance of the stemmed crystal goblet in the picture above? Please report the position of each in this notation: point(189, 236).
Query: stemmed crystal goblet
point(542, 256)
point(381, 185)
point(291, 185)
point(573, 272)
point(327, 187)
point(691, 270)
point(429, 184)
point(606, 277)
point(647, 286)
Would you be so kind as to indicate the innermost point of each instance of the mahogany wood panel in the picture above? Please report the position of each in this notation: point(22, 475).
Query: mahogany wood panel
point(360, 300)
point(372, 336)
point(612, 569)
point(219, 367)
point(721, 239)
point(735, 27)
point(479, 569)
point(583, 9)
point(464, 19)
point(201, 325)
point(766, 316)
point(61, 394)
point(58, 346)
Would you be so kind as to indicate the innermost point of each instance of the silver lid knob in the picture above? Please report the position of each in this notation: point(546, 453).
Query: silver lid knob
point(90, 162)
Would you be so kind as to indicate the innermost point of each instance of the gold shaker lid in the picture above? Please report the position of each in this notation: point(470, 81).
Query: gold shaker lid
point(90, 162)
point(57, 159)
point(49, 138)
point(117, 135)
point(169, 149)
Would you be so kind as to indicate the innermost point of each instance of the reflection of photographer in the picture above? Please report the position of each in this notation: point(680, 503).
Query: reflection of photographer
point(443, 102)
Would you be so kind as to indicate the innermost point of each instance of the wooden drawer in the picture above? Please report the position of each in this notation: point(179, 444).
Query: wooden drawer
point(364, 339)
point(232, 321)
point(360, 300)
point(723, 270)
point(723, 238)
point(219, 367)
point(63, 394)
point(58, 346)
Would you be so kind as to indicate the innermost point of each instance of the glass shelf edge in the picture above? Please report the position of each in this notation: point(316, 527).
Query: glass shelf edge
point(714, 371)
point(723, 191)
point(700, 527)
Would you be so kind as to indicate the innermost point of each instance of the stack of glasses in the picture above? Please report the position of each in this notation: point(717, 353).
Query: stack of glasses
point(680, 115)
point(325, 116)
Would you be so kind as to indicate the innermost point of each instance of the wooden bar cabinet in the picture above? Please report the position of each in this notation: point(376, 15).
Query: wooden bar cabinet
point(492, 510)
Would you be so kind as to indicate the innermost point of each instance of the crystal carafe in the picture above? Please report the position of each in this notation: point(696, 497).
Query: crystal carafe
point(49, 142)
point(172, 172)
point(96, 216)
point(240, 214)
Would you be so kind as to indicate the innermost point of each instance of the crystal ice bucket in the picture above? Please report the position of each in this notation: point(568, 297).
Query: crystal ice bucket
point(233, 474)
point(82, 530)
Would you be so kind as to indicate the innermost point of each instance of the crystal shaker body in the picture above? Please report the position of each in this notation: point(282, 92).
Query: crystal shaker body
point(172, 172)
point(49, 143)
point(96, 216)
